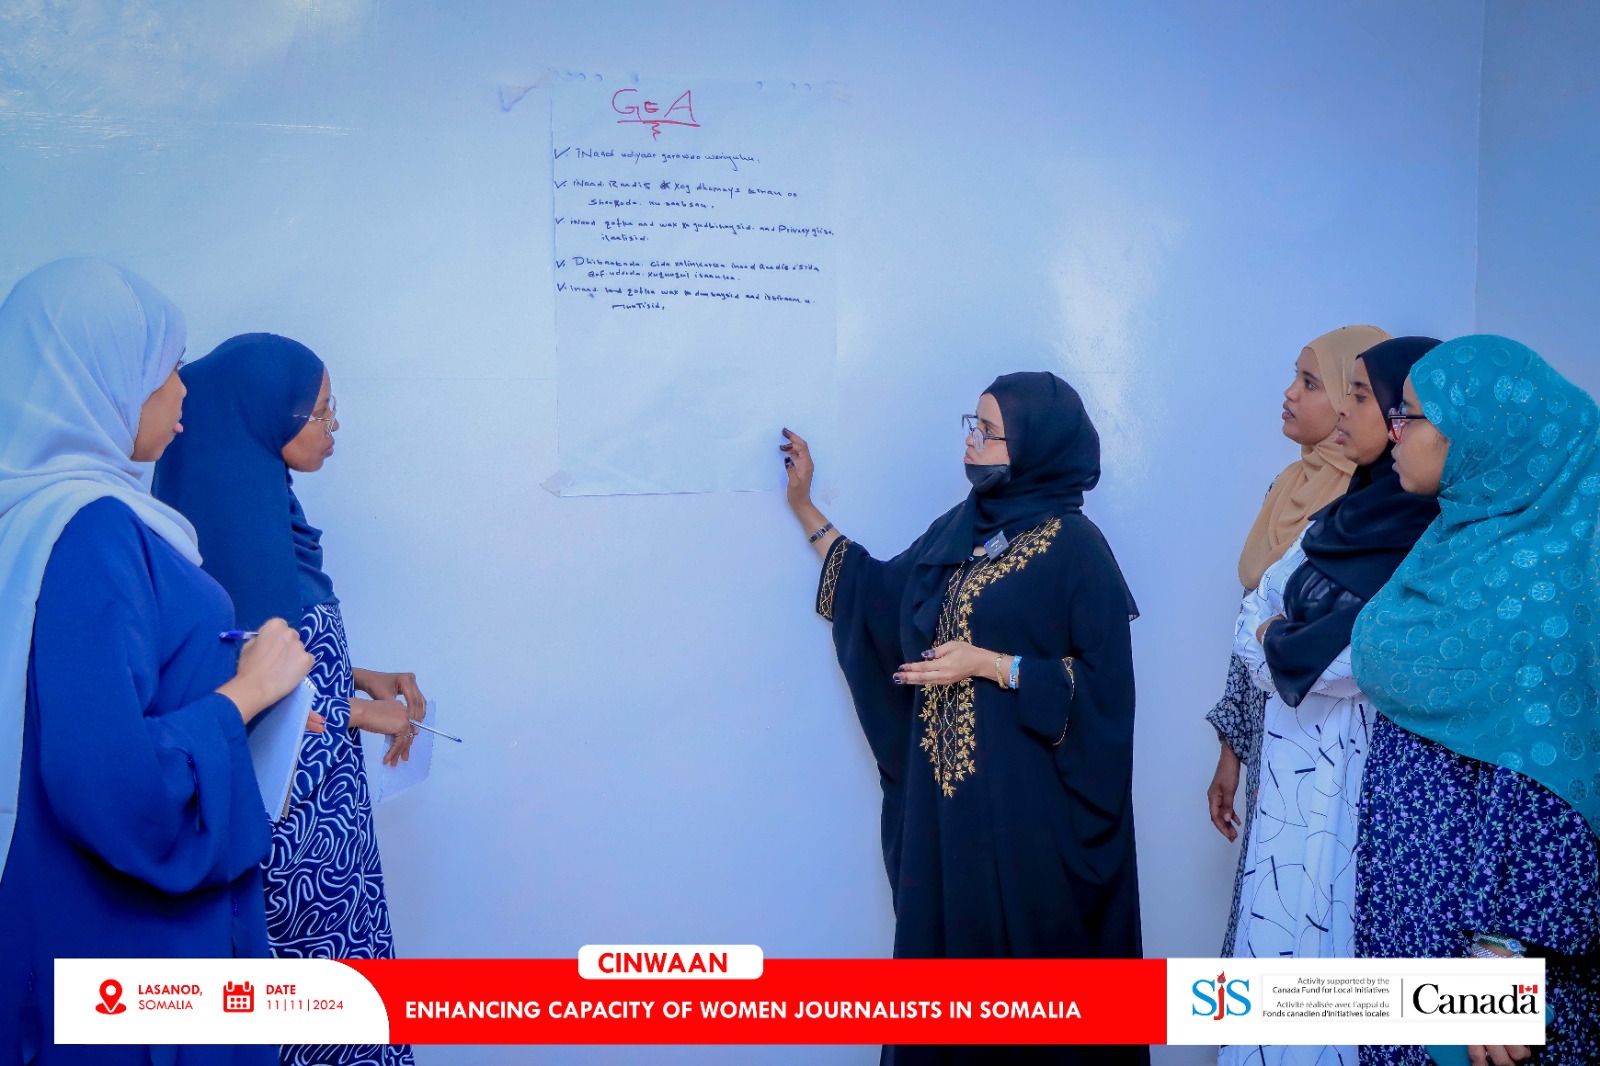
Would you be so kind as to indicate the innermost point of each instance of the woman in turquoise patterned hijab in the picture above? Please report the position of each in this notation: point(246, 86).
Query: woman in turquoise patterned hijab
point(1484, 640)
point(1481, 803)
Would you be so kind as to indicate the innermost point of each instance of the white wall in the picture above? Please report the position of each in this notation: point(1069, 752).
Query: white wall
point(1539, 230)
point(1162, 201)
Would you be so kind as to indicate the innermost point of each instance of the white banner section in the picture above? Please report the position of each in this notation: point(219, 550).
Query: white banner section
point(216, 1001)
point(651, 962)
point(1355, 1001)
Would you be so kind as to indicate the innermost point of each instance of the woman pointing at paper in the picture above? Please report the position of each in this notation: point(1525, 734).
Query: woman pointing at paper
point(131, 823)
point(261, 406)
point(992, 675)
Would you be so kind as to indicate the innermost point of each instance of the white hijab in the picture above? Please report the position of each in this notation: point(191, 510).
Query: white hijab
point(83, 344)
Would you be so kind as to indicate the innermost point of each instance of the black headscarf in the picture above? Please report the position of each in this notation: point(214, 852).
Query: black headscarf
point(1055, 459)
point(1353, 545)
point(1055, 456)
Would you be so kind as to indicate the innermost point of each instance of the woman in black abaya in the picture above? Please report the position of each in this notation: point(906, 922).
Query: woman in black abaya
point(992, 674)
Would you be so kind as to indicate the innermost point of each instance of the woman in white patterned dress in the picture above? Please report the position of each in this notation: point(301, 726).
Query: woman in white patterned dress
point(1293, 635)
point(1320, 476)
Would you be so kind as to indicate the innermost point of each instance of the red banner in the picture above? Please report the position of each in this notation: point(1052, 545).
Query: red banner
point(794, 1001)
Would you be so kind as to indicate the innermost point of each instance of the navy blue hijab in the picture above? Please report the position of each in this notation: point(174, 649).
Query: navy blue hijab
point(1360, 538)
point(225, 473)
point(1055, 459)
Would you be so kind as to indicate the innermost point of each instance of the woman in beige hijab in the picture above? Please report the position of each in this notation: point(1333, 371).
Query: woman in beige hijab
point(1310, 412)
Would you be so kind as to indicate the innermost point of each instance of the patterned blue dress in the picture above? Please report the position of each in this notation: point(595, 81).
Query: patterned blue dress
point(324, 882)
point(1450, 844)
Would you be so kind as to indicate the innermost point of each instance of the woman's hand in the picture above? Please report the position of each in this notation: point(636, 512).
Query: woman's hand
point(1499, 1054)
point(798, 462)
point(270, 666)
point(949, 663)
point(381, 686)
point(1224, 785)
point(391, 718)
point(315, 723)
point(1261, 631)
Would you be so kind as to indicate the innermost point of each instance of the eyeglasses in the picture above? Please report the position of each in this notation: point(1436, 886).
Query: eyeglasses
point(329, 419)
point(1398, 419)
point(975, 434)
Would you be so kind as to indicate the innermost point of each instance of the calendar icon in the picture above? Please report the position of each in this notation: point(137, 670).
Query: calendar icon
point(238, 999)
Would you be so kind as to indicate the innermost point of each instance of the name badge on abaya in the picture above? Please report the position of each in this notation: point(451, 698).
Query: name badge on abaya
point(996, 545)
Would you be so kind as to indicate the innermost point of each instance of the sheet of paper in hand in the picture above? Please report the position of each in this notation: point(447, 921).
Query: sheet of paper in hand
point(387, 782)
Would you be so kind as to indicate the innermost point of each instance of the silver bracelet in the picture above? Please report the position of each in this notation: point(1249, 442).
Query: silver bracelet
point(823, 532)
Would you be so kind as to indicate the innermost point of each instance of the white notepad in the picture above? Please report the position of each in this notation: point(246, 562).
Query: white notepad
point(387, 782)
point(276, 735)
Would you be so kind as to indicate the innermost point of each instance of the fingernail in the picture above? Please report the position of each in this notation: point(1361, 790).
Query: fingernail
point(788, 461)
point(899, 680)
point(927, 654)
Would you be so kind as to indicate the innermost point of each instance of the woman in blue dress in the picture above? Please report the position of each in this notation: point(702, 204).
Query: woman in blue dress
point(261, 406)
point(130, 818)
point(1481, 801)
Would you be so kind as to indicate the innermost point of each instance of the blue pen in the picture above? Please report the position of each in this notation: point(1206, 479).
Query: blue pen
point(435, 732)
point(250, 634)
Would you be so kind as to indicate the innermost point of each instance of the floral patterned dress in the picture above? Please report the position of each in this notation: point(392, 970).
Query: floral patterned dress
point(1450, 845)
point(1238, 718)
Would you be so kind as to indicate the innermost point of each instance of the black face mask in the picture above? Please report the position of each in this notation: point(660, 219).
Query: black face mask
point(986, 477)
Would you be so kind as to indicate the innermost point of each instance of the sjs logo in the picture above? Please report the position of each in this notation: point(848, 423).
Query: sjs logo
point(1220, 998)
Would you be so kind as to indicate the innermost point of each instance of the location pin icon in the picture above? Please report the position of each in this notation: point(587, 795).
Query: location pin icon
point(110, 998)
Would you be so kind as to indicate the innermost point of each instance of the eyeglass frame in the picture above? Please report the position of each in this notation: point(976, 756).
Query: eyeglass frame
point(329, 419)
point(973, 426)
point(1397, 419)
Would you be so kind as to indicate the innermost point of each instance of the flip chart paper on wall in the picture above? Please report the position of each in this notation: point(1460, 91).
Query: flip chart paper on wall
point(694, 275)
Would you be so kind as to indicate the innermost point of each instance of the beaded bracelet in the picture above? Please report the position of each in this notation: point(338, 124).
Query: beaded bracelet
point(1483, 941)
point(1016, 667)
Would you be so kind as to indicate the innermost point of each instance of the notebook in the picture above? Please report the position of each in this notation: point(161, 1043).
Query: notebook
point(275, 736)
